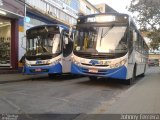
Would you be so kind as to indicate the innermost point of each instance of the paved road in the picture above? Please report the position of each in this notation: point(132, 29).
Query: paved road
point(80, 95)
point(61, 95)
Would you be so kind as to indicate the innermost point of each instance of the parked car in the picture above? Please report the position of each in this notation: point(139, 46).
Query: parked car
point(153, 62)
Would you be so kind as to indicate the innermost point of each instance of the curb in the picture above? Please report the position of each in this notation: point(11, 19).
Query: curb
point(21, 78)
point(12, 81)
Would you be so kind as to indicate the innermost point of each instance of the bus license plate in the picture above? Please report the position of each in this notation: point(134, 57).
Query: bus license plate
point(93, 70)
point(38, 70)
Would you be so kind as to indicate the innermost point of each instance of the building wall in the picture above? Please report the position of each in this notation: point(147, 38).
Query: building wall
point(61, 11)
point(104, 8)
point(87, 8)
point(58, 10)
point(154, 56)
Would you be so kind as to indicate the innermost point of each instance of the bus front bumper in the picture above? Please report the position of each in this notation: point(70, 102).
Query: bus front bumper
point(117, 73)
point(57, 69)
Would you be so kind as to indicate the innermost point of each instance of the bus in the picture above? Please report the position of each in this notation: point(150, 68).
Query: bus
point(48, 50)
point(109, 45)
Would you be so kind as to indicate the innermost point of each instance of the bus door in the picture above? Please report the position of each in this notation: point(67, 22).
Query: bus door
point(67, 50)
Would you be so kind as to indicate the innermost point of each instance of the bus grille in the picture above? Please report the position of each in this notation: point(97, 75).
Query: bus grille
point(39, 64)
point(95, 65)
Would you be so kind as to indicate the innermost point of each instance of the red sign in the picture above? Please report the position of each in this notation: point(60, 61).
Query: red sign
point(38, 70)
point(92, 70)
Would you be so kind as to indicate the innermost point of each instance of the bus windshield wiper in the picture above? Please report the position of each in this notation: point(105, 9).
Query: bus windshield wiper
point(107, 31)
point(104, 35)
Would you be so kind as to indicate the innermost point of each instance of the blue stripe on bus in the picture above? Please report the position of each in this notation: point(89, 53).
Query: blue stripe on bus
point(118, 73)
point(48, 69)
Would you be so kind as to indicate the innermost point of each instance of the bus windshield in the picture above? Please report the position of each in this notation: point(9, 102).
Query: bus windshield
point(111, 39)
point(43, 41)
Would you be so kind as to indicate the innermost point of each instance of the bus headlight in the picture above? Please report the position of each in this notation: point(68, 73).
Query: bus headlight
point(27, 63)
point(75, 62)
point(49, 62)
point(119, 64)
point(53, 62)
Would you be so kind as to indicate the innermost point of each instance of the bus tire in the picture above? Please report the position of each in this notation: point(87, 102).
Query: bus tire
point(92, 77)
point(131, 81)
point(51, 76)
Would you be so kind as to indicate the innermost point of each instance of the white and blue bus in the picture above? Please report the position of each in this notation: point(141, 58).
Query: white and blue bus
point(48, 50)
point(109, 45)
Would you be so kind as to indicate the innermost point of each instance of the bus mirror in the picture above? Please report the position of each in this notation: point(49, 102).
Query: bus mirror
point(70, 32)
point(134, 36)
point(23, 45)
point(66, 41)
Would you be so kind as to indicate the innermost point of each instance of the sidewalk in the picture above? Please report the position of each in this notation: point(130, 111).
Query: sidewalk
point(16, 77)
point(143, 97)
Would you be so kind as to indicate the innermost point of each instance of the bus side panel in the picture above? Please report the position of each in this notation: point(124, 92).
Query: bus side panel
point(131, 63)
point(137, 59)
point(140, 69)
point(140, 62)
point(130, 70)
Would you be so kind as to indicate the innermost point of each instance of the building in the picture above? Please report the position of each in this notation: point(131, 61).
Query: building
point(87, 8)
point(103, 8)
point(11, 25)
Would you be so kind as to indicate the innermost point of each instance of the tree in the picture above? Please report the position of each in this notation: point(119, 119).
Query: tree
point(147, 15)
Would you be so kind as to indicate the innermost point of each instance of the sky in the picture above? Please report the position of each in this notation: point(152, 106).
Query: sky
point(118, 5)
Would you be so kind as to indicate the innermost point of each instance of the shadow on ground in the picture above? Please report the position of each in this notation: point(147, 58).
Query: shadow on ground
point(113, 83)
point(57, 78)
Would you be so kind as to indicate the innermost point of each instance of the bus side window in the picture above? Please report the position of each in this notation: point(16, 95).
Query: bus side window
point(140, 44)
point(135, 39)
point(130, 44)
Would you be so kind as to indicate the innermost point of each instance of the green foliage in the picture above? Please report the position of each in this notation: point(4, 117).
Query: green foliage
point(147, 15)
point(155, 37)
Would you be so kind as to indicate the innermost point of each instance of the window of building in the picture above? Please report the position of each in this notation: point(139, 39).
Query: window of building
point(5, 42)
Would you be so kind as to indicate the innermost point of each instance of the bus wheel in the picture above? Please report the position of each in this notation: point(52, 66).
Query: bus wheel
point(51, 76)
point(131, 81)
point(92, 77)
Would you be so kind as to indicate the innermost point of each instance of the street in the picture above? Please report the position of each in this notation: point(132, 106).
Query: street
point(75, 95)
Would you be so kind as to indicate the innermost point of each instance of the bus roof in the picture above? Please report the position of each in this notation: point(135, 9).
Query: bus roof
point(106, 18)
point(58, 25)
